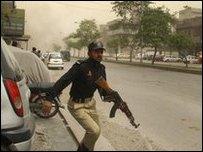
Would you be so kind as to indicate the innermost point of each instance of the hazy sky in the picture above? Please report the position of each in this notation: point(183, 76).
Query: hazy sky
point(49, 21)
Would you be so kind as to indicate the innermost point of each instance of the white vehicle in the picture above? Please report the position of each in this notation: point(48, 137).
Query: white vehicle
point(17, 123)
point(123, 55)
point(192, 59)
point(55, 60)
point(171, 58)
point(138, 56)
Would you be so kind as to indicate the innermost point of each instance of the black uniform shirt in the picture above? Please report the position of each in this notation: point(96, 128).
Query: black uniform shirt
point(83, 76)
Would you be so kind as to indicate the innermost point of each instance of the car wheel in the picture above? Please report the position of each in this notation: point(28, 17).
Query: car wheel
point(6, 144)
point(38, 105)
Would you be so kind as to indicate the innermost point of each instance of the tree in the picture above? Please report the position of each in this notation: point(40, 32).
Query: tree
point(156, 24)
point(56, 47)
point(87, 32)
point(181, 43)
point(131, 12)
point(116, 42)
point(72, 42)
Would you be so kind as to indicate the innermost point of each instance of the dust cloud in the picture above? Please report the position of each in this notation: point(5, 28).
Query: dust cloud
point(49, 22)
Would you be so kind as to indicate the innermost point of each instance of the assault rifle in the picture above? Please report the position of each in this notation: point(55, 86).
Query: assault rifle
point(118, 102)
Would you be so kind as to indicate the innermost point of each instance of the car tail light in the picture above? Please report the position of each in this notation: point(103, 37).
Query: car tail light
point(14, 95)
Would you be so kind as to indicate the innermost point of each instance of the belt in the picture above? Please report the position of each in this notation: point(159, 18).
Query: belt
point(81, 100)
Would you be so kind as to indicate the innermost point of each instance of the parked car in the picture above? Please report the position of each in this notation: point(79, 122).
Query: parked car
point(123, 55)
point(148, 55)
point(6, 144)
point(55, 60)
point(192, 59)
point(159, 58)
point(65, 55)
point(17, 123)
point(171, 58)
point(138, 56)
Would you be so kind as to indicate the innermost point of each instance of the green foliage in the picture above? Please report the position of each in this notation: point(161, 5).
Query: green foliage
point(155, 27)
point(72, 42)
point(116, 41)
point(116, 25)
point(180, 41)
point(131, 12)
point(127, 9)
point(87, 32)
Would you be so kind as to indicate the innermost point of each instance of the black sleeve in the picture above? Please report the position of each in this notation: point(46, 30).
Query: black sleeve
point(65, 80)
point(101, 91)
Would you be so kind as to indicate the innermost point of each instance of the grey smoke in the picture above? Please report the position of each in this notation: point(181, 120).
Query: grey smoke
point(48, 22)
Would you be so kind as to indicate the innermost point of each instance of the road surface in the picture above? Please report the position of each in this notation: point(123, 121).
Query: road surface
point(167, 104)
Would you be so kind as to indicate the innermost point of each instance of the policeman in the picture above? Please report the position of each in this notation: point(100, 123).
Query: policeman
point(85, 76)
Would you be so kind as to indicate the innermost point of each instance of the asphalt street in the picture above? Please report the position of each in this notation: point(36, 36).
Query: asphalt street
point(167, 104)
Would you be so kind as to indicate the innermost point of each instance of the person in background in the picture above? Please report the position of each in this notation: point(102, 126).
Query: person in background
point(39, 53)
point(34, 50)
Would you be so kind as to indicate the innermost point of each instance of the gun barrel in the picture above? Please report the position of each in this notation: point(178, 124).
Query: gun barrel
point(132, 121)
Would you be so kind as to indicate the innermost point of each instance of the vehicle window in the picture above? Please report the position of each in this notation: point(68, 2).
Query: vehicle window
point(9, 66)
point(55, 56)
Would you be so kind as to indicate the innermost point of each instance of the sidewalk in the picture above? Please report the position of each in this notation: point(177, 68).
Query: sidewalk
point(51, 135)
point(102, 143)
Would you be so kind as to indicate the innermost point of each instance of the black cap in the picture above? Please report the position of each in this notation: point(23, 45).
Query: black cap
point(96, 45)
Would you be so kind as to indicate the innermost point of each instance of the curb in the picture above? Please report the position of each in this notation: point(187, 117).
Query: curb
point(161, 67)
point(157, 66)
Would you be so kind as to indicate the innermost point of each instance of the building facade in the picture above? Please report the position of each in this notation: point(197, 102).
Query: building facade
point(114, 28)
point(190, 23)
